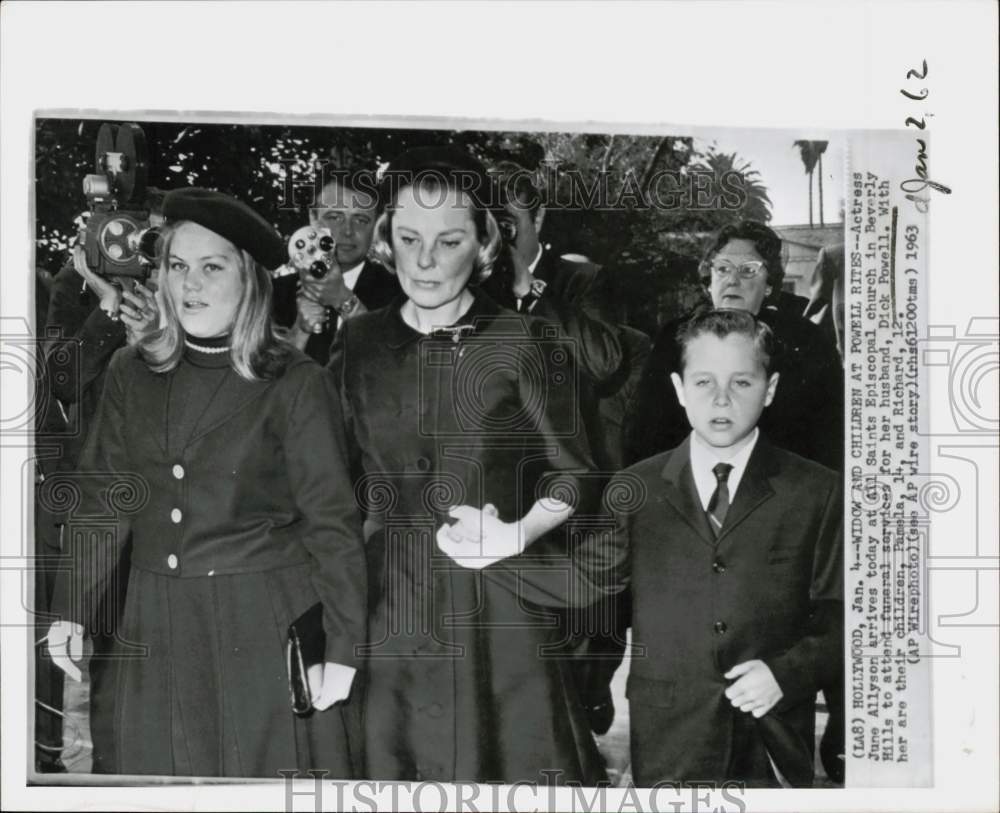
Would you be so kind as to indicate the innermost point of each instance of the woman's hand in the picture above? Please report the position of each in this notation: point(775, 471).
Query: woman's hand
point(329, 683)
point(479, 538)
point(65, 644)
point(139, 312)
point(109, 295)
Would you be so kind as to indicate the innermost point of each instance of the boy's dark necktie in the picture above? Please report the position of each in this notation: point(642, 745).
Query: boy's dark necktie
point(718, 506)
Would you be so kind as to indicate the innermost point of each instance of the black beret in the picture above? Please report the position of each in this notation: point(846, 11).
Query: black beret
point(229, 218)
point(458, 167)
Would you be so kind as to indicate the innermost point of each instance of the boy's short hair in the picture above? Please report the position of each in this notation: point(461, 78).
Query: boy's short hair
point(728, 322)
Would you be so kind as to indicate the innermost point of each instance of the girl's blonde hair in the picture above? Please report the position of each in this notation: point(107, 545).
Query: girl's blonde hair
point(257, 351)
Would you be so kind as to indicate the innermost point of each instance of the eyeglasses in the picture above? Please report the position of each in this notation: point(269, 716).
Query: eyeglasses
point(724, 268)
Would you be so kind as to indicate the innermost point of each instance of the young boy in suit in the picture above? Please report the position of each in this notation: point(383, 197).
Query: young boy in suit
point(736, 575)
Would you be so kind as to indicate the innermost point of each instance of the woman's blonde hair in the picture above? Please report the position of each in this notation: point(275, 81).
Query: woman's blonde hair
point(487, 230)
point(256, 350)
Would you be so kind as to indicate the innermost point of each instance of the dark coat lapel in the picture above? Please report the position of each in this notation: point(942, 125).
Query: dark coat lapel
point(153, 396)
point(235, 395)
point(681, 491)
point(366, 288)
point(755, 487)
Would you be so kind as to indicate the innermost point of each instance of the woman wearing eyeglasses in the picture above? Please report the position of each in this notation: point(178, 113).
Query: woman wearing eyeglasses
point(743, 270)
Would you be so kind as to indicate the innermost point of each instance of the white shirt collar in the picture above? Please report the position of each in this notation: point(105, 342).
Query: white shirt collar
point(351, 275)
point(704, 458)
point(534, 263)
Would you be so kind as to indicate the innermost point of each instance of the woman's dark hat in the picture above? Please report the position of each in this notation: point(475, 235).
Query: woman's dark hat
point(229, 218)
point(459, 168)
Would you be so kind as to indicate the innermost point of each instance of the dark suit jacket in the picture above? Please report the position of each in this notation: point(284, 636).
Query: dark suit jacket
point(575, 298)
point(826, 294)
point(770, 588)
point(376, 288)
point(79, 341)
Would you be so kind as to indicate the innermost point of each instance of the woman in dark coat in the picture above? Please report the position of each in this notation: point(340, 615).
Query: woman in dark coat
point(744, 271)
point(459, 410)
point(220, 449)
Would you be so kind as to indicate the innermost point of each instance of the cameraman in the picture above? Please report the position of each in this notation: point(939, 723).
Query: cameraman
point(564, 290)
point(313, 308)
point(89, 317)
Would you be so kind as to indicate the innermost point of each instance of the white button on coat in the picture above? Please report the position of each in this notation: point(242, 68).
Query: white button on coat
point(175, 515)
point(172, 562)
point(178, 471)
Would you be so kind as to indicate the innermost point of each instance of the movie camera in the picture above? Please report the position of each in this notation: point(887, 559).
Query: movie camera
point(311, 249)
point(118, 240)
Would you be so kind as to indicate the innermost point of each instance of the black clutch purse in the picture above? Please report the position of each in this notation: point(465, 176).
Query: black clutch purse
point(306, 647)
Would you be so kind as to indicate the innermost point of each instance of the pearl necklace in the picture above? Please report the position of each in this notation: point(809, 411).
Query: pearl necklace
point(202, 349)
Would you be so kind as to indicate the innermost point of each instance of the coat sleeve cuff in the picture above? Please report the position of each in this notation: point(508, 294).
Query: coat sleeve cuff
point(793, 678)
point(339, 650)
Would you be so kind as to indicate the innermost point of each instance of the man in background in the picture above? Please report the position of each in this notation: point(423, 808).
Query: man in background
point(313, 308)
point(571, 291)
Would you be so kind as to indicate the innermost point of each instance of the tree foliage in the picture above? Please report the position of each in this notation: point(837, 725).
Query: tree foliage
point(651, 249)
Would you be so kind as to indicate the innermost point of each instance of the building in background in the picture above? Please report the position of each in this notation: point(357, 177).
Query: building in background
point(800, 245)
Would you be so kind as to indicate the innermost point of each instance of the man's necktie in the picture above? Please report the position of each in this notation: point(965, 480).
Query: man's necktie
point(718, 506)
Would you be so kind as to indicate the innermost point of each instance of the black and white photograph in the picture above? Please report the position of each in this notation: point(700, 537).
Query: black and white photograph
point(481, 458)
point(502, 344)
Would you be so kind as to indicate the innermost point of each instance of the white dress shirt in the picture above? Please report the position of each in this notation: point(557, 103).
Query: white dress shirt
point(531, 270)
point(704, 458)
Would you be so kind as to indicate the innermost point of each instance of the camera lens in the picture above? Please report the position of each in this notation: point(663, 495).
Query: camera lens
point(96, 185)
point(149, 244)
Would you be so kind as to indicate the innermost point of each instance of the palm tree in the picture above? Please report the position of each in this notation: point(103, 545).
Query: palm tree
point(757, 205)
point(812, 154)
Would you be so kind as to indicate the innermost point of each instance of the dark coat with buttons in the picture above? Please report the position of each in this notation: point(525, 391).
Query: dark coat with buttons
point(235, 534)
point(769, 588)
point(463, 679)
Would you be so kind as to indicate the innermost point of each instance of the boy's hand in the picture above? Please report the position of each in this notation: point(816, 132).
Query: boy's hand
point(756, 690)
